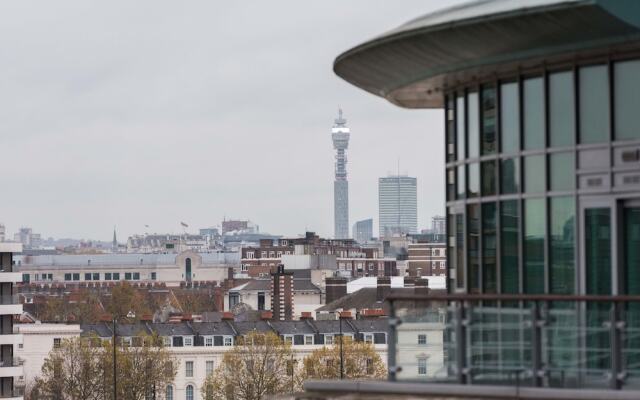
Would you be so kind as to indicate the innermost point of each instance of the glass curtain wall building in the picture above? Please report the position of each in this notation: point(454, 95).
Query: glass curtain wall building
point(542, 137)
point(397, 205)
point(541, 103)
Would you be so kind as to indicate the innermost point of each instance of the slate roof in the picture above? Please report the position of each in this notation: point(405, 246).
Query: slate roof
point(230, 328)
point(366, 298)
point(265, 285)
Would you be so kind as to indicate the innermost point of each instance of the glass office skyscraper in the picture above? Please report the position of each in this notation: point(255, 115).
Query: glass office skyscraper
point(397, 205)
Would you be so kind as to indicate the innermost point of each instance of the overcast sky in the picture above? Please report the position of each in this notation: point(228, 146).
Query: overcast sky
point(129, 113)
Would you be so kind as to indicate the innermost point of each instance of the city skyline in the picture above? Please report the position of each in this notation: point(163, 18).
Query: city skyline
point(157, 129)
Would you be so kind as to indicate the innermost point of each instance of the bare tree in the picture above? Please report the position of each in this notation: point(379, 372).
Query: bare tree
point(72, 372)
point(257, 366)
point(359, 361)
point(82, 369)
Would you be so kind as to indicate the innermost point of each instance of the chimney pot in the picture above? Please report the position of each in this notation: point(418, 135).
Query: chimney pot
point(345, 315)
point(228, 316)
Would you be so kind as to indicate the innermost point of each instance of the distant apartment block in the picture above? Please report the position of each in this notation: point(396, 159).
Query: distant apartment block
point(427, 259)
point(397, 205)
point(315, 253)
point(363, 231)
point(235, 225)
point(28, 238)
point(168, 243)
point(439, 225)
point(10, 366)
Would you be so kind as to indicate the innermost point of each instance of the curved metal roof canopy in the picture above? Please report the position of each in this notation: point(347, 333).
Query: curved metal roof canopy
point(411, 65)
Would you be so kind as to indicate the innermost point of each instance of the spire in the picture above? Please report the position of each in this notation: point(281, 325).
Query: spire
point(340, 121)
point(114, 244)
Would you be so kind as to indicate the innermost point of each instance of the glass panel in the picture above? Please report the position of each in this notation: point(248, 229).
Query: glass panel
point(562, 109)
point(562, 245)
point(510, 172)
point(488, 178)
point(473, 244)
point(631, 252)
point(451, 184)
point(474, 180)
point(451, 242)
point(509, 117)
point(562, 171)
point(598, 250)
point(460, 128)
point(460, 250)
point(533, 113)
point(451, 130)
point(473, 123)
point(631, 352)
point(461, 182)
point(534, 174)
point(534, 217)
point(594, 104)
point(489, 284)
point(626, 99)
point(509, 216)
point(488, 120)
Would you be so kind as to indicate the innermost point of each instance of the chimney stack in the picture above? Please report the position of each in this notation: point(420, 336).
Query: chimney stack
point(306, 315)
point(335, 288)
point(383, 287)
point(266, 315)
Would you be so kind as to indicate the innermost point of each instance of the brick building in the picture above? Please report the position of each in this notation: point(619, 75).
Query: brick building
point(427, 259)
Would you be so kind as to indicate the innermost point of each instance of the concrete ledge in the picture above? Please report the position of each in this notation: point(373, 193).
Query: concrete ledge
point(337, 387)
point(10, 247)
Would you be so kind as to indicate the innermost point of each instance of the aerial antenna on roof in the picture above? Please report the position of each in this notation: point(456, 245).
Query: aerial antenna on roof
point(340, 121)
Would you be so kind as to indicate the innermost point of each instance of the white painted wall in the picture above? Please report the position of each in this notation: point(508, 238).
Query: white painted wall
point(37, 343)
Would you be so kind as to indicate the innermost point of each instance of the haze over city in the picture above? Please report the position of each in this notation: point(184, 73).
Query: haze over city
point(152, 113)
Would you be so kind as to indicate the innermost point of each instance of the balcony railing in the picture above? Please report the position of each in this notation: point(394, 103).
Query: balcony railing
point(9, 299)
point(9, 394)
point(11, 362)
point(553, 341)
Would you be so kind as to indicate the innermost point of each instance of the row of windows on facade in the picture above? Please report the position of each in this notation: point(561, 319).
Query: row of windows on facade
point(278, 254)
point(270, 254)
point(479, 245)
point(511, 116)
point(227, 340)
point(435, 264)
point(91, 276)
point(548, 239)
point(493, 177)
point(188, 391)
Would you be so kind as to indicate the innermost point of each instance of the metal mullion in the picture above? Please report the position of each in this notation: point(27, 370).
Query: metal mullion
point(521, 186)
point(547, 143)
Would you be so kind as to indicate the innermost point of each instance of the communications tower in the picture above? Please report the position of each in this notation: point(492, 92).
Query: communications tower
point(340, 137)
